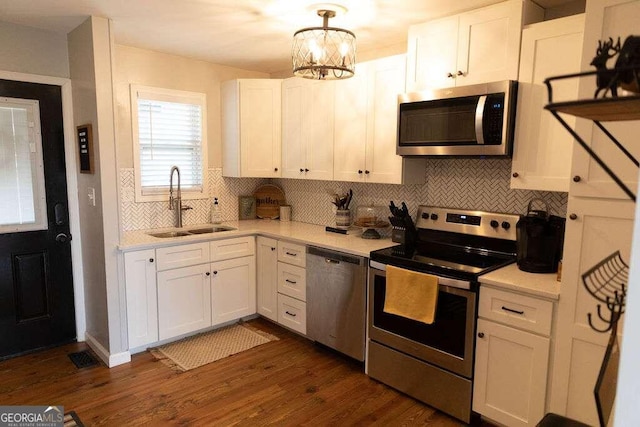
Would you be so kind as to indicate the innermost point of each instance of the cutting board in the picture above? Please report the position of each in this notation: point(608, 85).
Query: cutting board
point(269, 197)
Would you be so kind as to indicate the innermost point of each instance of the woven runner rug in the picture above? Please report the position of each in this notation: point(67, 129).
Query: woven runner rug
point(192, 352)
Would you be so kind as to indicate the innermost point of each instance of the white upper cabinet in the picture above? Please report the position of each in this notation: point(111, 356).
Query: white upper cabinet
point(543, 148)
point(251, 128)
point(366, 123)
point(604, 19)
point(479, 46)
point(307, 128)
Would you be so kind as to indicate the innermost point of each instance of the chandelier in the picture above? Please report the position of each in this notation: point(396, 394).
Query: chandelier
point(324, 53)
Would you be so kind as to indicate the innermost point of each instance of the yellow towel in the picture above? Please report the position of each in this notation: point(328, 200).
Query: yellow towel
point(411, 294)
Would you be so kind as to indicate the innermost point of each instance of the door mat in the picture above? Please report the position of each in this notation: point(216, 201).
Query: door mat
point(192, 352)
point(71, 419)
point(83, 359)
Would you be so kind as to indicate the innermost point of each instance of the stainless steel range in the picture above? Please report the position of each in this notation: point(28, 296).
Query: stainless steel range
point(434, 362)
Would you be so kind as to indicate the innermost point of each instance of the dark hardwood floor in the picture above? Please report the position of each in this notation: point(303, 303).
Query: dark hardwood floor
point(286, 382)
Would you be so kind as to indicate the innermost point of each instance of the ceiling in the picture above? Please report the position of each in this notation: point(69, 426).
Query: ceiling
point(248, 34)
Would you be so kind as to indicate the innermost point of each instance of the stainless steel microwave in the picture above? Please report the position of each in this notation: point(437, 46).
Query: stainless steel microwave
point(475, 120)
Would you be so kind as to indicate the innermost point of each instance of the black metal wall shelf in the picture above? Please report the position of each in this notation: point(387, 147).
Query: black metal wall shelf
point(612, 109)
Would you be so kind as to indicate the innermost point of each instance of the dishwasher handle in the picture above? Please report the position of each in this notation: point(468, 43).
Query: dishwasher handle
point(334, 257)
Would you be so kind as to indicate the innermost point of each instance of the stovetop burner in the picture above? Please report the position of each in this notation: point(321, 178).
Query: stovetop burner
point(455, 243)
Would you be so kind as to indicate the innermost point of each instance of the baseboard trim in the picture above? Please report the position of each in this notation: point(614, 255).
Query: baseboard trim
point(109, 359)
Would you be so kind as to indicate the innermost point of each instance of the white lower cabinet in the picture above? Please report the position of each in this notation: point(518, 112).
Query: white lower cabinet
point(184, 300)
point(511, 366)
point(292, 313)
point(233, 289)
point(141, 294)
point(267, 277)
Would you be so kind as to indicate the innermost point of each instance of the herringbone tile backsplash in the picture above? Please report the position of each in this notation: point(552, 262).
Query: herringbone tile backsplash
point(481, 184)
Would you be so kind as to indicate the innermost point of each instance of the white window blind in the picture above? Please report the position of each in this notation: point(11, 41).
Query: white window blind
point(169, 133)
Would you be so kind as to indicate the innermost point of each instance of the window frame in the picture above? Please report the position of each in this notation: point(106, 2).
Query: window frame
point(167, 95)
point(41, 220)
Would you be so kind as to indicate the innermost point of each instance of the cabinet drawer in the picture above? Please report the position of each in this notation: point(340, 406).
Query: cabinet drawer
point(292, 281)
point(292, 253)
point(232, 248)
point(182, 255)
point(292, 313)
point(522, 311)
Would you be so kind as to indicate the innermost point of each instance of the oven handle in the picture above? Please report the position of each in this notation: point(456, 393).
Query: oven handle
point(445, 281)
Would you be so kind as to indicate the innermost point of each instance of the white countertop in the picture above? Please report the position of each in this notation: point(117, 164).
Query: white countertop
point(511, 277)
point(303, 233)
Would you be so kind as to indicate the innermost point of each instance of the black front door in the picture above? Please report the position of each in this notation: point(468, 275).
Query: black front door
point(36, 286)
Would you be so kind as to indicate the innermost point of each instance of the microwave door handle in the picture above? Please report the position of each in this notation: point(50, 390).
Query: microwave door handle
point(479, 115)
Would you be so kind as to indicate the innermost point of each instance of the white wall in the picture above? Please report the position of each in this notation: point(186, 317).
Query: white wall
point(33, 51)
point(90, 62)
point(149, 68)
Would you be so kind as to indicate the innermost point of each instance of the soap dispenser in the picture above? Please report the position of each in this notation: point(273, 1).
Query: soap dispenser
point(215, 212)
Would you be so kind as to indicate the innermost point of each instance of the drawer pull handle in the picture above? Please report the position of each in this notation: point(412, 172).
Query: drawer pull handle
point(511, 310)
point(290, 281)
point(290, 314)
point(331, 261)
point(291, 254)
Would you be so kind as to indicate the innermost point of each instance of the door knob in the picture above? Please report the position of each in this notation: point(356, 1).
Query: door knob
point(63, 238)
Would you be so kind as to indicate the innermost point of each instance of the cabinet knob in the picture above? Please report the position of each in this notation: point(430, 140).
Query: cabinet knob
point(366, 172)
point(273, 249)
point(301, 170)
point(306, 170)
point(275, 169)
point(360, 171)
point(215, 272)
point(460, 73)
point(573, 217)
point(150, 259)
point(207, 273)
point(577, 178)
point(480, 334)
point(450, 75)
point(515, 174)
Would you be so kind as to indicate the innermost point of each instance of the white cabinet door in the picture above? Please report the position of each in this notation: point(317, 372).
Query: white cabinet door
point(432, 54)
point(142, 300)
point(307, 130)
point(350, 126)
point(510, 374)
point(233, 289)
point(184, 300)
point(251, 128)
point(479, 46)
point(604, 19)
point(267, 277)
point(601, 227)
point(489, 44)
point(543, 148)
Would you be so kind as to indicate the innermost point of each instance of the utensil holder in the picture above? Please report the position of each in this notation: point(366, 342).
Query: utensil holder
point(343, 218)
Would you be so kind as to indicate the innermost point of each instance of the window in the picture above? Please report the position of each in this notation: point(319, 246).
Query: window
point(168, 130)
point(23, 206)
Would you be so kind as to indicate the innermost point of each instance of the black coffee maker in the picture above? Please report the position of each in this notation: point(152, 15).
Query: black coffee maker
point(540, 237)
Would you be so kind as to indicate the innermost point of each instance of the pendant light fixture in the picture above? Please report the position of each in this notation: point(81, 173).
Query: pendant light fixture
point(324, 53)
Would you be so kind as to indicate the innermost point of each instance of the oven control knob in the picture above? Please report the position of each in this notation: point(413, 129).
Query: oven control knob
point(494, 223)
point(506, 225)
point(425, 215)
point(434, 216)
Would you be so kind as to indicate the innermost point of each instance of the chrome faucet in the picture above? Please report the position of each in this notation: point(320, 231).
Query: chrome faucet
point(176, 202)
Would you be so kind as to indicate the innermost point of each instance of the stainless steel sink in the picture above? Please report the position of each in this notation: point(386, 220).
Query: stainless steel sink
point(168, 234)
point(215, 229)
point(205, 230)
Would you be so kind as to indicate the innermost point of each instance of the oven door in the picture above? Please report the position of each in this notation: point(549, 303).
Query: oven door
point(447, 343)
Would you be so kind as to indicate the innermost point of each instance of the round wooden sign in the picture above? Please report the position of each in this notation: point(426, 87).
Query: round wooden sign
point(269, 197)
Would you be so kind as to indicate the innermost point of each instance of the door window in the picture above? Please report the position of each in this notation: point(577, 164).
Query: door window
point(23, 206)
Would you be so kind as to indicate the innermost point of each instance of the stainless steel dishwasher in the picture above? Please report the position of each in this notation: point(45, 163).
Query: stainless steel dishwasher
point(336, 300)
